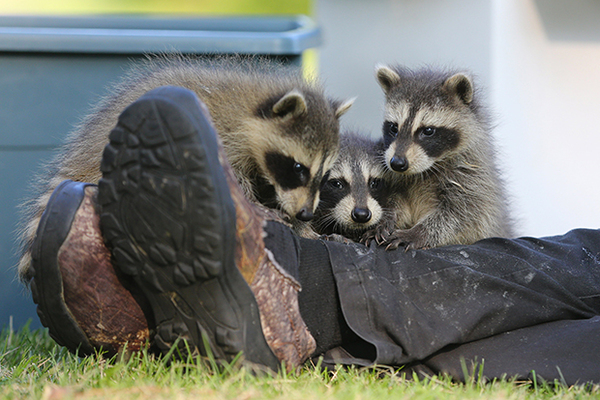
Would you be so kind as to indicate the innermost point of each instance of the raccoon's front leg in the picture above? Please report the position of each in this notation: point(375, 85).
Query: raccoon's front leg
point(413, 238)
point(441, 227)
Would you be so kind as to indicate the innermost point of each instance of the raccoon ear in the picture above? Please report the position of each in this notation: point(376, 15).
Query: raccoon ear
point(460, 85)
point(341, 108)
point(387, 77)
point(292, 103)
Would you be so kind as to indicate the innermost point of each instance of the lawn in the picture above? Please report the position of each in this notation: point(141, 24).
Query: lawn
point(32, 366)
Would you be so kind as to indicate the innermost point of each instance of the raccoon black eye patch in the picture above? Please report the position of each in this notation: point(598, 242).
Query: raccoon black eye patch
point(324, 180)
point(288, 173)
point(390, 128)
point(436, 141)
point(333, 191)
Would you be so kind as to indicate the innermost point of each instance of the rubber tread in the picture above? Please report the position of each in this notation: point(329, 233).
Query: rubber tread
point(170, 221)
point(47, 284)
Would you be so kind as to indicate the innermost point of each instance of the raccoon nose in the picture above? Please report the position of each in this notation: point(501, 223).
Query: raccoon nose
point(399, 164)
point(305, 214)
point(361, 215)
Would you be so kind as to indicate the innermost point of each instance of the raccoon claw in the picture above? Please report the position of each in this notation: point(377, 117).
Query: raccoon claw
point(410, 239)
point(396, 243)
point(366, 241)
point(382, 237)
point(334, 237)
point(393, 245)
point(368, 237)
point(407, 246)
point(416, 246)
point(380, 240)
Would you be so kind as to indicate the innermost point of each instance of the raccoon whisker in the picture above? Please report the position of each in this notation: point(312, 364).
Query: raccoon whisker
point(456, 183)
point(437, 171)
point(438, 174)
point(324, 221)
point(336, 226)
point(469, 165)
point(279, 208)
point(422, 176)
point(436, 168)
point(329, 221)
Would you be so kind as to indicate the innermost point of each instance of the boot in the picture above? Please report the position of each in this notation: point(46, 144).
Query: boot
point(84, 302)
point(178, 224)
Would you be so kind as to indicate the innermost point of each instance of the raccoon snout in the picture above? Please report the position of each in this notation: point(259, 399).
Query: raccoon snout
point(361, 215)
point(305, 214)
point(399, 164)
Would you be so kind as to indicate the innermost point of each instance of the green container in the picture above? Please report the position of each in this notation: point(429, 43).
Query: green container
point(52, 69)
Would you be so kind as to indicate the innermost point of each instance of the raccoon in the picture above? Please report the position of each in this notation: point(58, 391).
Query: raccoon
point(354, 197)
point(280, 132)
point(437, 143)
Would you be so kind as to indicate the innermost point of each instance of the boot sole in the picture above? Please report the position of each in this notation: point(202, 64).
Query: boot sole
point(47, 284)
point(169, 218)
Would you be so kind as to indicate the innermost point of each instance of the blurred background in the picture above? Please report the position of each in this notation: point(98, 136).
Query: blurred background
point(538, 62)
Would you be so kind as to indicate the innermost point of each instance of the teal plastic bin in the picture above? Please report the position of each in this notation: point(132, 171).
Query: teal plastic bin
point(52, 69)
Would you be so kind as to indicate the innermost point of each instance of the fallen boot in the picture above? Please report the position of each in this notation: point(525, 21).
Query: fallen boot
point(177, 222)
point(86, 305)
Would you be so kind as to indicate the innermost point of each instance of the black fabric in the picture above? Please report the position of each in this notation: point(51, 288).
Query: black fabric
point(566, 350)
point(415, 307)
point(308, 262)
point(319, 302)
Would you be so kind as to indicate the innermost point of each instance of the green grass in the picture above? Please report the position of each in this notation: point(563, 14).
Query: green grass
point(33, 366)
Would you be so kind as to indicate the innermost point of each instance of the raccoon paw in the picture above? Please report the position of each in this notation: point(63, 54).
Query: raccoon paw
point(410, 239)
point(334, 237)
point(373, 234)
point(396, 243)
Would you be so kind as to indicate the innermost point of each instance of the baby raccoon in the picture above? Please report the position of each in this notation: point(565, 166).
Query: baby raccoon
point(353, 197)
point(280, 133)
point(437, 141)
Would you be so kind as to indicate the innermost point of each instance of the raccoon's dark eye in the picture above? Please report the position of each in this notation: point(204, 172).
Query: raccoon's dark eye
point(336, 183)
point(428, 131)
point(302, 172)
point(374, 183)
point(391, 128)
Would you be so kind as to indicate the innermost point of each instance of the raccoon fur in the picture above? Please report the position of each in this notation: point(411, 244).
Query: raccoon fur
point(280, 132)
point(437, 145)
point(353, 198)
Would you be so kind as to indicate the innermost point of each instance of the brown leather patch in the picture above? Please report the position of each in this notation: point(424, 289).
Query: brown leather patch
point(275, 291)
point(283, 327)
point(106, 311)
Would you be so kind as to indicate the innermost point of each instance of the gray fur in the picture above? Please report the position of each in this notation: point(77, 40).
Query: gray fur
point(456, 197)
point(241, 95)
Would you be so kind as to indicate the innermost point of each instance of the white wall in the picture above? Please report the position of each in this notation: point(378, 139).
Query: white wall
point(546, 90)
point(539, 62)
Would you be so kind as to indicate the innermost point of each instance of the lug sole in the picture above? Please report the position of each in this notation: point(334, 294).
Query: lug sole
point(169, 219)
